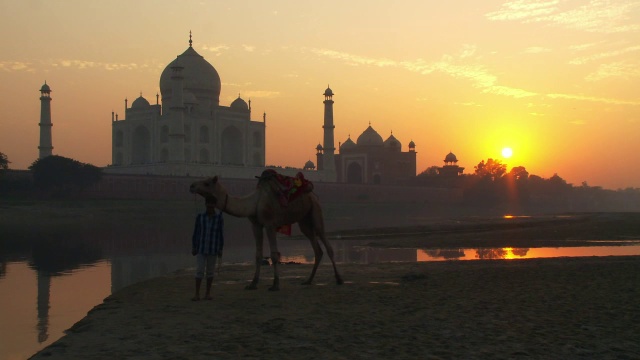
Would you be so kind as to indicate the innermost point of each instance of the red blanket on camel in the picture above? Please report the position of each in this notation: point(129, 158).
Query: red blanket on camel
point(286, 188)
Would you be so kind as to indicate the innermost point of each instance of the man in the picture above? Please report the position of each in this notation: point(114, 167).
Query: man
point(207, 243)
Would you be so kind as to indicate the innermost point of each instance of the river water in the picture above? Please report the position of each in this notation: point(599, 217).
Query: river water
point(43, 293)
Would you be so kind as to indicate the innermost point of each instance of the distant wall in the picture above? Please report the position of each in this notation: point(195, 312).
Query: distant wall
point(12, 174)
point(165, 187)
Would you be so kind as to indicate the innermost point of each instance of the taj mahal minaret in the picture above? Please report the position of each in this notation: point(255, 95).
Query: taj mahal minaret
point(328, 147)
point(46, 145)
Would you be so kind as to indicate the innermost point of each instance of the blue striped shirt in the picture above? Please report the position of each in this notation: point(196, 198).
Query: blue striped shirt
point(208, 236)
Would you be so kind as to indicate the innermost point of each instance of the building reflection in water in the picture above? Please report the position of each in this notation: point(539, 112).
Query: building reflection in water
point(55, 256)
point(44, 293)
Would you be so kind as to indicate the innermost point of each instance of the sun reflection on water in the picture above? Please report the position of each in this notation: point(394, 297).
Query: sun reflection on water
point(510, 253)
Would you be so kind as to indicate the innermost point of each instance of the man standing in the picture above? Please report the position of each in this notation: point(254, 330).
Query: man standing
point(207, 243)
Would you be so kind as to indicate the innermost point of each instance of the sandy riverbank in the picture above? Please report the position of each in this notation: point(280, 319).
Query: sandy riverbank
point(540, 308)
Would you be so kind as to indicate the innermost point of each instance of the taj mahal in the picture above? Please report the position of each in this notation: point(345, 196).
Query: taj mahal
point(187, 132)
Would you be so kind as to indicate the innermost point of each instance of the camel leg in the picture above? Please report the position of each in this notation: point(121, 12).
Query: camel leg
point(339, 280)
point(307, 230)
point(318, 227)
point(275, 258)
point(258, 236)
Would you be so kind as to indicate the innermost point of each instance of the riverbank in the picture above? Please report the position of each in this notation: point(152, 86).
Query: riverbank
point(560, 308)
point(539, 308)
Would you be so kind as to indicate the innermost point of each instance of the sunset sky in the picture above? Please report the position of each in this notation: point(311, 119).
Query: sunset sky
point(557, 81)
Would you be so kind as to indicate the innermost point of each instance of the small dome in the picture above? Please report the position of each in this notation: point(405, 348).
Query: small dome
point(370, 138)
point(412, 145)
point(349, 144)
point(140, 103)
point(189, 98)
point(328, 92)
point(450, 158)
point(319, 147)
point(239, 105)
point(309, 165)
point(392, 142)
point(45, 88)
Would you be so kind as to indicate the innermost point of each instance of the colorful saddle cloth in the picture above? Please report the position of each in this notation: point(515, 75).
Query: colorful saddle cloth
point(286, 189)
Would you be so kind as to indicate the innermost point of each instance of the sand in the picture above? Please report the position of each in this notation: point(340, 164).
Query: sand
point(561, 308)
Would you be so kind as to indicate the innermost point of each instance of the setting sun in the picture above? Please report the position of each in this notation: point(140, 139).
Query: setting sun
point(507, 153)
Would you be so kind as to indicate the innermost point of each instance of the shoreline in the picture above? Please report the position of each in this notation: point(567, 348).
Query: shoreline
point(541, 308)
point(559, 308)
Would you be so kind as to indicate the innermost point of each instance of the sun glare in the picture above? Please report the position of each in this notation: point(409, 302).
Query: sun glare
point(507, 153)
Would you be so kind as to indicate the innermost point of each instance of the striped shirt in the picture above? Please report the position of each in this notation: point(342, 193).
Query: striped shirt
point(208, 236)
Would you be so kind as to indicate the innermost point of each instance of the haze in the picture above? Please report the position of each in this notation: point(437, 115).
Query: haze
point(556, 81)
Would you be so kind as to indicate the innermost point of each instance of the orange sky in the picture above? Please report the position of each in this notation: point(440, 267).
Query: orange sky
point(557, 80)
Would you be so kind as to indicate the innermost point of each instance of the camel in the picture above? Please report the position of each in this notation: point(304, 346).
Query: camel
point(267, 213)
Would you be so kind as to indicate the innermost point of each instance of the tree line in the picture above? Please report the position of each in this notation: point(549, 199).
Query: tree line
point(52, 177)
point(491, 185)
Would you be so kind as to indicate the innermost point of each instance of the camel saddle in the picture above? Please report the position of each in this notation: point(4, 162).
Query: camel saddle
point(286, 188)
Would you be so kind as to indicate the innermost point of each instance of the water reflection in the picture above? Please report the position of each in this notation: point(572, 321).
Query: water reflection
point(44, 291)
point(357, 252)
point(525, 253)
point(446, 254)
point(56, 255)
point(68, 275)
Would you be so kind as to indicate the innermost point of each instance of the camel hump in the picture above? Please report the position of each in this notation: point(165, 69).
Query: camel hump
point(287, 188)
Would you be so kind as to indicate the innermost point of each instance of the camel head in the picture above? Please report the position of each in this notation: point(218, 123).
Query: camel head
point(208, 188)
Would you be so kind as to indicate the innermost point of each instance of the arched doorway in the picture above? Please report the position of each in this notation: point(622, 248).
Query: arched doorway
point(231, 144)
point(141, 147)
point(354, 173)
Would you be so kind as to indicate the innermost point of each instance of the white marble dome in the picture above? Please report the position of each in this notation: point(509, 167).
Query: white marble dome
point(200, 77)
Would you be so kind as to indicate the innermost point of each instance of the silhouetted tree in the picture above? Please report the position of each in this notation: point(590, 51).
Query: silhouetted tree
point(484, 187)
point(4, 161)
point(481, 191)
point(494, 169)
point(61, 176)
point(515, 187)
point(430, 171)
point(557, 186)
point(519, 173)
point(11, 185)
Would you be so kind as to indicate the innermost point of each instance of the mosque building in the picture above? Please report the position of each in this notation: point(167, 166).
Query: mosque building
point(370, 160)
